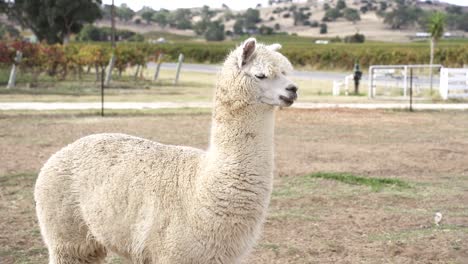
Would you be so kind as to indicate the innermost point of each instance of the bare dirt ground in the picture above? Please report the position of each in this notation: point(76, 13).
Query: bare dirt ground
point(310, 220)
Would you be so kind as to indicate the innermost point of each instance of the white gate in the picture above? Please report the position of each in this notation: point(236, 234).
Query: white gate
point(394, 80)
point(453, 83)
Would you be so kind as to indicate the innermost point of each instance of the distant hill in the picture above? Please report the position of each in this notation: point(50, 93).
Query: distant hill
point(281, 15)
point(304, 18)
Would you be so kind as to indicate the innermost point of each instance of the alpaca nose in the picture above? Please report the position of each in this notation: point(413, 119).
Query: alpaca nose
point(292, 88)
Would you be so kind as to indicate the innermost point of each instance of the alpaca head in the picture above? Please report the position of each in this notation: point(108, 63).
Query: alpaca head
point(261, 74)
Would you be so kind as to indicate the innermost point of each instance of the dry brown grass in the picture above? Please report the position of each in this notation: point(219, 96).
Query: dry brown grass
point(311, 220)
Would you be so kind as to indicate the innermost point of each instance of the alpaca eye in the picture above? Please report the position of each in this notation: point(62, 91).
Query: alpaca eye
point(260, 76)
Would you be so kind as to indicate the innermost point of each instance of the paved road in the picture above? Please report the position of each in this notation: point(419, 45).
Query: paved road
point(317, 75)
point(307, 75)
point(165, 105)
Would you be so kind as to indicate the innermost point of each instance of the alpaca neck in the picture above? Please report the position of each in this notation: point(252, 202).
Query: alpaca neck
point(244, 139)
point(238, 169)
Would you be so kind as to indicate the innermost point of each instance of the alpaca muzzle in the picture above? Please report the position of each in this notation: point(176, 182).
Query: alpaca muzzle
point(291, 97)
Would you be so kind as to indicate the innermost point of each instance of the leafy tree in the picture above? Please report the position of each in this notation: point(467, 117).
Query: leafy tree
point(124, 12)
point(52, 21)
point(147, 16)
point(106, 11)
point(206, 13)
point(351, 14)
point(215, 31)
point(181, 18)
point(326, 6)
point(403, 15)
point(161, 17)
point(228, 15)
point(239, 26)
point(300, 17)
point(364, 9)
point(383, 6)
point(90, 33)
point(201, 26)
point(436, 28)
point(463, 23)
point(341, 4)
point(332, 14)
point(252, 17)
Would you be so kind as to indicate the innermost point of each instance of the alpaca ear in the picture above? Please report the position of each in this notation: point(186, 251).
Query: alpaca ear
point(274, 47)
point(248, 48)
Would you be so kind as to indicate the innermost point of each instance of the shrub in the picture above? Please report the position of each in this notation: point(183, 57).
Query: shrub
point(331, 15)
point(356, 38)
point(264, 30)
point(323, 28)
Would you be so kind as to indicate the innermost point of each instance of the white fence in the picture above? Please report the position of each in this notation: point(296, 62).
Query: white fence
point(338, 84)
point(453, 83)
point(393, 80)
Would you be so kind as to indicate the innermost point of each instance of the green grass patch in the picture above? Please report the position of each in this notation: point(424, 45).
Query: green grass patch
point(29, 256)
point(12, 179)
point(376, 184)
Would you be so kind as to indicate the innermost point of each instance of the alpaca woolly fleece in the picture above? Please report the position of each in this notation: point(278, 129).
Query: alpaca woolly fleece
point(156, 203)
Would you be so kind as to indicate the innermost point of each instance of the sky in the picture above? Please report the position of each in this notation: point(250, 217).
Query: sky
point(233, 4)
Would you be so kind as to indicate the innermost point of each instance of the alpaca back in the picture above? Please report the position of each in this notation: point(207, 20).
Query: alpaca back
point(121, 188)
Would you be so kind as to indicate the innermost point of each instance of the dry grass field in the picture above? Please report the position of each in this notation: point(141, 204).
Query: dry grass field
point(384, 176)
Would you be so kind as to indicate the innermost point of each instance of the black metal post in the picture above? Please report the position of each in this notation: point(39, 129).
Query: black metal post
point(411, 90)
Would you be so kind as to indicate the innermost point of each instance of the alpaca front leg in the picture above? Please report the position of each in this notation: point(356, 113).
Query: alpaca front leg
point(77, 254)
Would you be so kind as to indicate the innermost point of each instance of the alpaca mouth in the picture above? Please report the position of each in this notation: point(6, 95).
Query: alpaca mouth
point(287, 100)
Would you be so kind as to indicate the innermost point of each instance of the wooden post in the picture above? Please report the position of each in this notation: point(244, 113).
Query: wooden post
point(14, 69)
point(158, 66)
point(179, 65)
point(110, 67)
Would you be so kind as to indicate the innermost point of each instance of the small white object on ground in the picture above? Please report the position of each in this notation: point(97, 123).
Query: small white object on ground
point(437, 218)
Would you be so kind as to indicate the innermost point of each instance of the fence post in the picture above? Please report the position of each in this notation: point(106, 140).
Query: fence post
point(14, 69)
point(158, 66)
point(371, 83)
point(179, 65)
point(336, 88)
point(405, 80)
point(443, 86)
point(109, 69)
point(411, 90)
point(347, 79)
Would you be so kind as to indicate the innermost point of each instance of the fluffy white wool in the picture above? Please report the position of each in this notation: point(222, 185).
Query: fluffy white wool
point(155, 203)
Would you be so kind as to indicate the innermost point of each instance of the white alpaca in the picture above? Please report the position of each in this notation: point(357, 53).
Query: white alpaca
point(155, 203)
